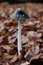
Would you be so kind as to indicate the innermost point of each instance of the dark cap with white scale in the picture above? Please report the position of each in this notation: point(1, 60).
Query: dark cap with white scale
point(20, 14)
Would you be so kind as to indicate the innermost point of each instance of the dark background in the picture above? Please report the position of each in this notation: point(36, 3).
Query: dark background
point(22, 1)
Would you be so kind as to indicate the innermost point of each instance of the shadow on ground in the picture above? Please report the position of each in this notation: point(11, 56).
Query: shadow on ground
point(21, 1)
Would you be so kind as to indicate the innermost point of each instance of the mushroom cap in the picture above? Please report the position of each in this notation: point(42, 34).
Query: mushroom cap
point(20, 14)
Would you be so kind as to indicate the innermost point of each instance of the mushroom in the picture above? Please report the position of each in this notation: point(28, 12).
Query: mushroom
point(20, 15)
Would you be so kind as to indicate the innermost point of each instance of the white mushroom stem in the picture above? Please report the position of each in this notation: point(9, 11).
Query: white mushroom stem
point(19, 38)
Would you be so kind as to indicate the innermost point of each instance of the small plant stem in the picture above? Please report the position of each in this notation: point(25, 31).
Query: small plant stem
point(19, 38)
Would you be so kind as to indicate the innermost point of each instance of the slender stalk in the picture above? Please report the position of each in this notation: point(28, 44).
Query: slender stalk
point(19, 38)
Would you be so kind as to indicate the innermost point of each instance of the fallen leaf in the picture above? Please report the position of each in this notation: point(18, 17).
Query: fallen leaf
point(8, 56)
point(6, 47)
point(15, 58)
point(24, 39)
point(26, 63)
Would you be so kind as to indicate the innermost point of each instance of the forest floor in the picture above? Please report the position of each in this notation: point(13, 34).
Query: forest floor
point(32, 35)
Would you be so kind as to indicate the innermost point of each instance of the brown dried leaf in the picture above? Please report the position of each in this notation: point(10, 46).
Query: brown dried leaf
point(8, 56)
point(15, 58)
point(31, 43)
point(34, 57)
point(26, 63)
point(24, 39)
point(35, 49)
point(6, 47)
point(27, 53)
